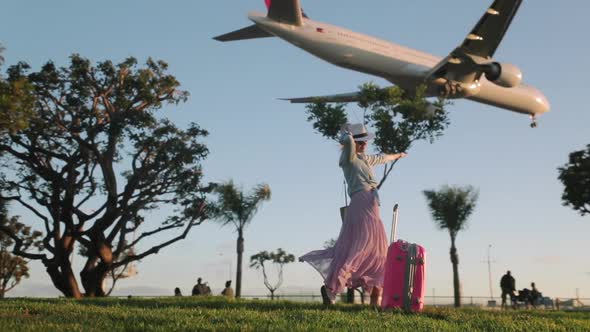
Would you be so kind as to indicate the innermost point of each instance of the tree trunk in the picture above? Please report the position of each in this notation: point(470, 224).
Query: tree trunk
point(97, 266)
point(456, 282)
point(60, 269)
point(64, 280)
point(4, 286)
point(70, 279)
point(272, 295)
point(240, 251)
point(93, 281)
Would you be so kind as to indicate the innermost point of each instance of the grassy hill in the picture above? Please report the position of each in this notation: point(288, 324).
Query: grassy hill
point(182, 314)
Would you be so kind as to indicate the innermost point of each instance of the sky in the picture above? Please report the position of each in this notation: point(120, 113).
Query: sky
point(256, 138)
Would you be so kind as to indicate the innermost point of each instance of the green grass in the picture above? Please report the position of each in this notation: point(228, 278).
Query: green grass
point(218, 314)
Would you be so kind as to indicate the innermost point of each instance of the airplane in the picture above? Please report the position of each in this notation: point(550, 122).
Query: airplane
point(469, 71)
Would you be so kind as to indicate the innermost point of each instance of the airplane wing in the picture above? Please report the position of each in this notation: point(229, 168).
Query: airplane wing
point(339, 98)
point(481, 42)
point(484, 39)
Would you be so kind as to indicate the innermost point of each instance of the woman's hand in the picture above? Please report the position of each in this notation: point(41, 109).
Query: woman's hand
point(395, 156)
point(344, 128)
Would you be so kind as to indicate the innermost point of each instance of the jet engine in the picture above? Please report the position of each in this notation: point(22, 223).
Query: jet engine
point(502, 74)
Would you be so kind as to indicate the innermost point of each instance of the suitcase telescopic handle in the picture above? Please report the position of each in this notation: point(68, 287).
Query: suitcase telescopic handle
point(394, 223)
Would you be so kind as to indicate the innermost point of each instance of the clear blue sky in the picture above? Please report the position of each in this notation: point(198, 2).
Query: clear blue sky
point(257, 138)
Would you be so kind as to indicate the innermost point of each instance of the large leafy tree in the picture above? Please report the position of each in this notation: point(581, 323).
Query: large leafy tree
point(96, 160)
point(450, 208)
point(237, 209)
point(14, 268)
point(278, 259)
point(16, 103)
point(575, 176)
point(397, 118)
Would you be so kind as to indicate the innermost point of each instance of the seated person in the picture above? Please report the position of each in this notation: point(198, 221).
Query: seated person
point(534, 296)
point(523, 296)
point(206, 289)
point(201, 288)
point(198, 288)
point(228, 291)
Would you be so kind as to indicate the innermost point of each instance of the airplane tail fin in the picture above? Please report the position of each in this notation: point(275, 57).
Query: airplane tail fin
point(286, 11)
point(250, 32)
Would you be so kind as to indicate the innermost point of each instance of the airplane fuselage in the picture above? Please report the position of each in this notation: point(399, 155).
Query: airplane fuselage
point(402, 66)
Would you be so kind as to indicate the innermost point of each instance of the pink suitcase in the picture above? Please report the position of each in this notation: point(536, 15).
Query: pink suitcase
point(405, 272)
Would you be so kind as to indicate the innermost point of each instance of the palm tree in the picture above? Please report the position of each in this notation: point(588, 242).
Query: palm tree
point(235, 208)
point(450, 208)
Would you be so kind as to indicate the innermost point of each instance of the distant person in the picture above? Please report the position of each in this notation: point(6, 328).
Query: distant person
point(198, 289)
point(534, 296)
point(177, 292)
point(228, 291)
point(524, 295)
point(206, 289)
point(508, 286)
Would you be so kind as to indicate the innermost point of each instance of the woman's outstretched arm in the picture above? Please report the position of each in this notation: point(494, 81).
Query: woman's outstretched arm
point(384, 158)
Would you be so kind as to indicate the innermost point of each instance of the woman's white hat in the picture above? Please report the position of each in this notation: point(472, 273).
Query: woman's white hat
point(359, 132)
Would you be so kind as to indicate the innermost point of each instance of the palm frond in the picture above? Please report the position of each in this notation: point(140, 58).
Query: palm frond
point(233, 206)
point(451, 206)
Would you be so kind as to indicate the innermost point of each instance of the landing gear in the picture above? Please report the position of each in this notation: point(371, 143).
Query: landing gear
point(533, 121)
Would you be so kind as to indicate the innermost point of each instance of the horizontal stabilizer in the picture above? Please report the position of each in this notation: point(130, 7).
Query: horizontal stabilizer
point(340, 98)
point(250, 32)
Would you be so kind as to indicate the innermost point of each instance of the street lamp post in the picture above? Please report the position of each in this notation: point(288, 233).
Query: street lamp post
point(490, 273)
point(229, 265)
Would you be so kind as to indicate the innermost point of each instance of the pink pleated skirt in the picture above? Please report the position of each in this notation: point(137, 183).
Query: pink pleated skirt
point(358, 257)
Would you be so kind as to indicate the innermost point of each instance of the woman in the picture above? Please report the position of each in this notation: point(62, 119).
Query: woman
point(358, 257)
point(177, 292)
point(228, 291)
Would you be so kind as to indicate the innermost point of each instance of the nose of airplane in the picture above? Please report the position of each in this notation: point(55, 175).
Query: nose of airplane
point(539, 102)
point(542, 103)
